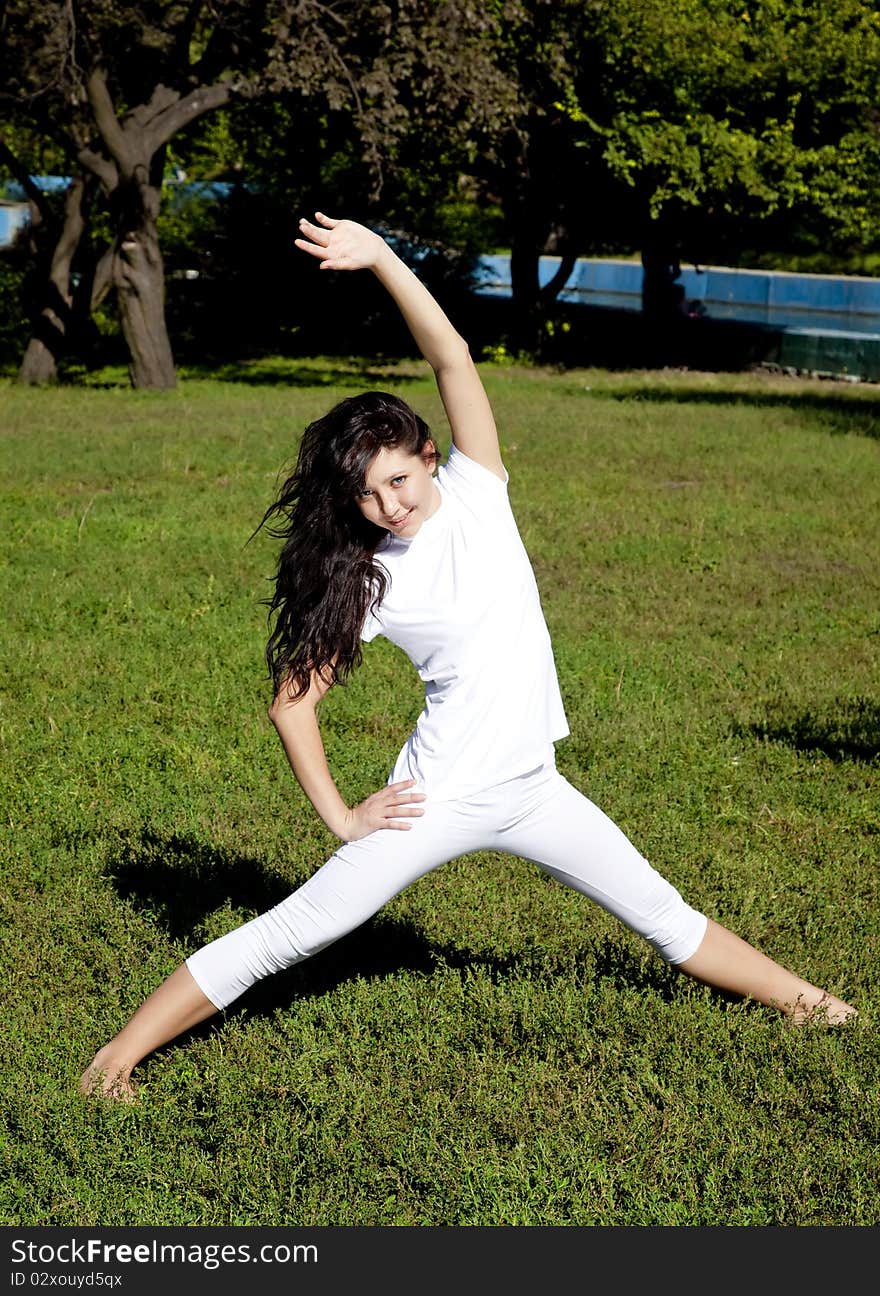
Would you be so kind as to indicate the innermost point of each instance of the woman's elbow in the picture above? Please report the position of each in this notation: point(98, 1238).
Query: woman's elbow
point(462, 352)
point(294, 695)
point(456, 357)
point(286, 705)
point(281, 705)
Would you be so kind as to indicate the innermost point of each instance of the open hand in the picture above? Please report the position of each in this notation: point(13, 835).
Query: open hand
point(390, 807)
point(340, 244)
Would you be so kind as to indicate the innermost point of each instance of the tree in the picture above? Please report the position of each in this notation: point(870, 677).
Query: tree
point(741, 125)
point(283, 157)
point(63, 282)
point(112, 83)
point(710, 126)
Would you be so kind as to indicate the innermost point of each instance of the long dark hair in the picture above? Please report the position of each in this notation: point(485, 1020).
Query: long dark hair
point(327, 577)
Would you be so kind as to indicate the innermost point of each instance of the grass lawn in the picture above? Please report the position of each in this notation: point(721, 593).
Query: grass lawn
point(491, 1049)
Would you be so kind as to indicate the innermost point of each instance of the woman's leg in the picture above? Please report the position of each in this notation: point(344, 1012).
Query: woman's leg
point(174, 1007)
point(352, 886)
point(574, 841)
point(725, 961)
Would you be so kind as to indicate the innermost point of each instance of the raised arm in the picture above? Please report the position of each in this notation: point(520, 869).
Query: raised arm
point(346, 245)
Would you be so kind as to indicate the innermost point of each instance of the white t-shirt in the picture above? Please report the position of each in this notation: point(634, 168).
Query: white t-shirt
point(463, 605)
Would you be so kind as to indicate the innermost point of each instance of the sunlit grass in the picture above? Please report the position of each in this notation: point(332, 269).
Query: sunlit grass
point(491, 1048)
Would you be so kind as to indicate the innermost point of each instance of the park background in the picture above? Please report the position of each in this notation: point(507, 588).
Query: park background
point(490, 1049)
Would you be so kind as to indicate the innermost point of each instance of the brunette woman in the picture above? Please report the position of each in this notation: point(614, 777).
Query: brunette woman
point(380, 539)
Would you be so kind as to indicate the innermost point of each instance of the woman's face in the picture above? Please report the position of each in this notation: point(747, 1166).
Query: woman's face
point(399, 490)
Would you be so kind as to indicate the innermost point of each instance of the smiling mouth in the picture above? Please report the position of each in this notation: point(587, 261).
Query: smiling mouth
point(397, 523)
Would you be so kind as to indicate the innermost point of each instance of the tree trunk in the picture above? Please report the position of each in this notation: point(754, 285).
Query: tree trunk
point(51, 328)
point(661, 292)
point(525, 290)
point(139, 278)
point(551, 290)
point(40, 361)
point(664, 309)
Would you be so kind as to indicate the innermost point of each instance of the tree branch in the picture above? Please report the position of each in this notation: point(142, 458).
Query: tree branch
point(72, 230)
point(185, 110)
point(554, 286)
point(35, 195)
point(99, 166)
point(102, 280)
point(162, 97)
point(107, 122)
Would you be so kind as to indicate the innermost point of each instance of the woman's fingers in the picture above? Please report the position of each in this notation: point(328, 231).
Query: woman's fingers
point(318, 233)
point(403, 790)
point(397, 815)
point(339, 244)
point(315, 233)
point(402, 803)
point(391, 807)
point(320, 246)
point(310, 247)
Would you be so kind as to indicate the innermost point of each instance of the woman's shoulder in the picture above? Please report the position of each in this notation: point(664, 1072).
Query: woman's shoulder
point(480, 496)
point(461, 470)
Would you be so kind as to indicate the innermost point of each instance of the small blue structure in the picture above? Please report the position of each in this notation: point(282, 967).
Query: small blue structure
point(13, 217)
point(15, 210)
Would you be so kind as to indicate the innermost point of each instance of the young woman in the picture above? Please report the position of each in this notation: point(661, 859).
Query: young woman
point(379, 540)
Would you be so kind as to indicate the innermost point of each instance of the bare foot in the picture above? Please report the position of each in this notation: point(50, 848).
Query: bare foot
point(827, 1011)
point(104, 1078)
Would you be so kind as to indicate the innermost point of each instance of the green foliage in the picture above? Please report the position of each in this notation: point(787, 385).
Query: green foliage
point(14, 319)
point(727, 127)
point(336, 97)
point(727, 132)
point(491, 1049)
point(755, 110)
point(284, 159)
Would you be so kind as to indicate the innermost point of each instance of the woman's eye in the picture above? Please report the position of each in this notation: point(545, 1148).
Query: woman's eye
point(398, 481)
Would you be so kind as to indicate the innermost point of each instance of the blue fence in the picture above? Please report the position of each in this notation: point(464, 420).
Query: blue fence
point(827, 324)
point(829, 302)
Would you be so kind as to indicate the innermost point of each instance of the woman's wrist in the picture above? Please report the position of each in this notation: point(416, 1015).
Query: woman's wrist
point(386, 258)
point(340, 827)
point(338, 820)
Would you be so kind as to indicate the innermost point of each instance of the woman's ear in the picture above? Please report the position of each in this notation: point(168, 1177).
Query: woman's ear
point(430, 454)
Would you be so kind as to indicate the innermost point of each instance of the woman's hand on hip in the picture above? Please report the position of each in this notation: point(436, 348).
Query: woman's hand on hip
point(390, 807)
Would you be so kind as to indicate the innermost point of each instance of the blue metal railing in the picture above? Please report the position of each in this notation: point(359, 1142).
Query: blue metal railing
point(829, 303)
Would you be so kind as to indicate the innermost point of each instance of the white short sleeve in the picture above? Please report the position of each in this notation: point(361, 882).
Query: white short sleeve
point(371, 628)
point(472, 479)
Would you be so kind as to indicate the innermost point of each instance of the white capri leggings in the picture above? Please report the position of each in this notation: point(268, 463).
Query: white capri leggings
point(538, 816)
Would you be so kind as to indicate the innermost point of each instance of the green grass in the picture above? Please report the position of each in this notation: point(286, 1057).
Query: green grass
point(491, 1048)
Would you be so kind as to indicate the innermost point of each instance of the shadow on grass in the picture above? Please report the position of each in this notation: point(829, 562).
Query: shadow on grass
point(859, 415)
point(847, 730)
point(295, 373)
point(179, 881)
point(358, 373)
